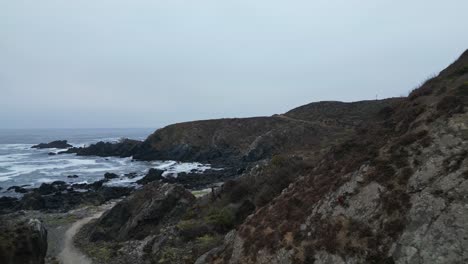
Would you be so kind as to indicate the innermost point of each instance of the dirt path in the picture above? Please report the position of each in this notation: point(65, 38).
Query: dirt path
point(297, 120)
point(70, 254)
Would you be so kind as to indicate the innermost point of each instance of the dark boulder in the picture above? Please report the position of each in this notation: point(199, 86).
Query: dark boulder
point(65, 200)
point(60, 144)
point(7, 204)
point(32, 201)
point(109, 176)
point(97, 184)
point(151, 176)
point(123, 148)
point(49, 188)
point(201, 180)
point(131, 175)
point(22, 240)
point(52, 154)
point(141, 213)
point(72, 176)
point(17, 189)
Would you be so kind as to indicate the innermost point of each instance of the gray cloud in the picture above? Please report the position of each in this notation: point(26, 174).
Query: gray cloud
point(116, 63)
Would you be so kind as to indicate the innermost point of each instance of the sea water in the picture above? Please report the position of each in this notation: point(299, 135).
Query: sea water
point(21, 165)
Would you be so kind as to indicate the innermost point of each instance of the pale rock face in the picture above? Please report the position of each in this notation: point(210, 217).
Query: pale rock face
point(323, 257)
point(437, 229)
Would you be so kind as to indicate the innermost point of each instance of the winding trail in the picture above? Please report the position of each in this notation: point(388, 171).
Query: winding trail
point(70, 254)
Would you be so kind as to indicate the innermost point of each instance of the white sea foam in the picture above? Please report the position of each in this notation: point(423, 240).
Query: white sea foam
point(4, 178)
point(173, 168)
point(45, 180)
point(19, 164)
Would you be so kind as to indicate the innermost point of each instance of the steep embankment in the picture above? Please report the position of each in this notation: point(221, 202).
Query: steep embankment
point(394, 194)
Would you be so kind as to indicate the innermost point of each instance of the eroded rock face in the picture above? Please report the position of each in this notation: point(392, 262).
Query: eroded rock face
point(140, 214)
point(22, 240)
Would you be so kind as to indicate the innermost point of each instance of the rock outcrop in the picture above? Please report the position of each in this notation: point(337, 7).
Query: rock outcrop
point(59, 144)
point(22, 240)
point(123, 148)
point(142, 213)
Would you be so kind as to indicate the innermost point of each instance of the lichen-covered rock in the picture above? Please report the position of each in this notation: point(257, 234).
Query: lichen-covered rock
point(22, 240)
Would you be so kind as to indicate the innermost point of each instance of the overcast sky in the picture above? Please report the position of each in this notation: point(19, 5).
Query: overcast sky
point(136, 63)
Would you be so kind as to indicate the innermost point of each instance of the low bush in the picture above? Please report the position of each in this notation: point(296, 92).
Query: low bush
point(206, 242)
point(191, 229)
point(450, 105)
point(221, 219)
point(462, 90)
point(425, 89)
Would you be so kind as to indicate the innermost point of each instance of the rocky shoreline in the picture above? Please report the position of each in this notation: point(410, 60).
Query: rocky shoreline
point(365, 182)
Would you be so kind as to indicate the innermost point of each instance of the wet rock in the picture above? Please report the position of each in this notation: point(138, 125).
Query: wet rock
point(60, 144)
point(17, 189)
point(151, 176)
point(69, 199)
point(123, 148)
point(49, 188)
point(72, 176)
point(110, 176)
point(131, 175)
point(51, 153)
point(22, 240)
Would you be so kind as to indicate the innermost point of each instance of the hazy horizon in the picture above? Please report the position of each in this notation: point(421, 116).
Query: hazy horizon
point(147, 64)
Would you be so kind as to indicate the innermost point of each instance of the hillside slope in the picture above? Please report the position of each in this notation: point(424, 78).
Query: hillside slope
point(251, 139)
point(395, 193)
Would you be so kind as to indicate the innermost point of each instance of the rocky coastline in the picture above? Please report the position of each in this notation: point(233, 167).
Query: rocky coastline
point(329, 182)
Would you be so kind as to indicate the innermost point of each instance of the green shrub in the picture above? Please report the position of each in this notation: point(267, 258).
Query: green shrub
point(190, 229)
point(463, 89)
point(278, 161)
point(206, 241)
point(221, 219)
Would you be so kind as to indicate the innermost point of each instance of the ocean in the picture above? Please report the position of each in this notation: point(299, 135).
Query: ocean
point(21, 165)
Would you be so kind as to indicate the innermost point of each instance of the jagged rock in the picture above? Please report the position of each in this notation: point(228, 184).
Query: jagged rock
point(22, 240)
point(131, 175)
point(151, 176)
point(139, 215)
point(49, 188)
point(17, 189)
point(109, 176)
point(123, 148)
point(60, 144)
